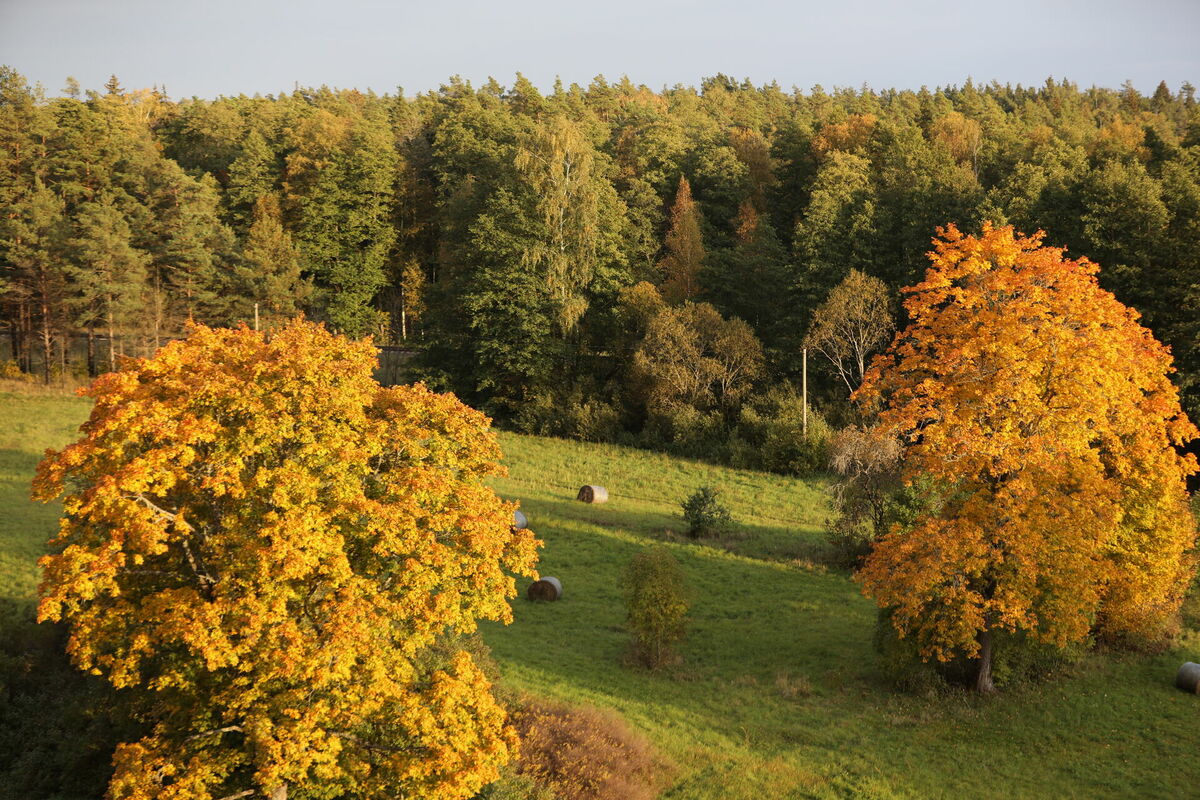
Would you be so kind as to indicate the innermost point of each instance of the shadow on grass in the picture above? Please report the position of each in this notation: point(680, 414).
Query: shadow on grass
point(778, 665)
point(776, 542)
point(751, 619)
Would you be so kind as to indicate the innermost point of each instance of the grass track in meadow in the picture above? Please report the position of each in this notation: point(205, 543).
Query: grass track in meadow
point(779, 695)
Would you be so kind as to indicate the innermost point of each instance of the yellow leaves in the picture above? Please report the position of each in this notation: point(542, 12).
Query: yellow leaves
point(849, 136)
point(259, 534)
point(1041, 412)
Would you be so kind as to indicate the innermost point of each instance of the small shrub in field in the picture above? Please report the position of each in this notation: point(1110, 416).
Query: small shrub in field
point(582, 753)
point(705, 515)
point(867, 492)
point(9, 371)
point(657, 602)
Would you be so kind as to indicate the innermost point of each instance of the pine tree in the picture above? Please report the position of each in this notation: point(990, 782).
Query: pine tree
point(685, 254)
point(838, 227)
point(251, 176)
point(269, 272)
point(107, 274)
point(751, 280)
point(32, 241)
point(191, 251)
point(340, 188)
point(24, 128)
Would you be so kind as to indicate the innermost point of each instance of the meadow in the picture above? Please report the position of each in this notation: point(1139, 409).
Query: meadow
point(779, 693)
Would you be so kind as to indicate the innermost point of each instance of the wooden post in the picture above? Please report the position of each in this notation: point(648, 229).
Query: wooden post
point(804, 390)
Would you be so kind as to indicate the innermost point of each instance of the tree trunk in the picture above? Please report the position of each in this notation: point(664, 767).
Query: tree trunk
point(47, 345)
point(62, 359)
point(112, 351)
point(983, 679)
point(91, 351)
point(25, 361)
point(158, 310)
point(47, 334)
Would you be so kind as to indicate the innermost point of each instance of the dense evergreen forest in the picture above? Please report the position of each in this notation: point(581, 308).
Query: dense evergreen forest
point(607, 262)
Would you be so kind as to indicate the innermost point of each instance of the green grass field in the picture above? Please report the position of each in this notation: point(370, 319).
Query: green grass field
point(779, 694)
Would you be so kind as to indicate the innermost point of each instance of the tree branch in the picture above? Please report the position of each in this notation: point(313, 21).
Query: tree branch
point(206, 581)
point(217, 732)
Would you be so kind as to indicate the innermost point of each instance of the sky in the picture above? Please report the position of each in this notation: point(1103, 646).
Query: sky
point(208, 48)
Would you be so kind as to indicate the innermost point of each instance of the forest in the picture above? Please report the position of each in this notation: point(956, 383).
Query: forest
point(608, 263)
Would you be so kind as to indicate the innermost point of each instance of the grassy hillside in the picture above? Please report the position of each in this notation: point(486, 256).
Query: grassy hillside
point(30, 421)
point(779, 694)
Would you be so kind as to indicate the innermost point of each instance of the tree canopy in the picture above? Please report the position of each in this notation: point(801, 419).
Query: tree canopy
point(491, 228)
point(1041, 414)
point(275, 557)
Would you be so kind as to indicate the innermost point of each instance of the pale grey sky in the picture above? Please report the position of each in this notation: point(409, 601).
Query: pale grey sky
point(213, 47)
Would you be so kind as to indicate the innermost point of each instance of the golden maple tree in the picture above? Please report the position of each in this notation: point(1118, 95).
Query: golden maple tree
point(274, 555)
point(1042, 413)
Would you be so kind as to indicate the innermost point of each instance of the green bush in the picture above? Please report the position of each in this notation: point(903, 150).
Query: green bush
point(869, 497)
point(569, 414)
point(1017, 660)
point(705, 515)
point(849, 540)
point(656, 600)
point(685, 431)
point(901, 663)
point(773, 425)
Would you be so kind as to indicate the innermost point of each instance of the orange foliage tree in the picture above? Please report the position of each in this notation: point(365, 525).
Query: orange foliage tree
point(1041, 411)
point(275, 556)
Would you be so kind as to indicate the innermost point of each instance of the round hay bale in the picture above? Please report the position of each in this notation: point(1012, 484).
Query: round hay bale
point(592, 494)
point(1188, 677)
point(548, 589)
point(519, 521)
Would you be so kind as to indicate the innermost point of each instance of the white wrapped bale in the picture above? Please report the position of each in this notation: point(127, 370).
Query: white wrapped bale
point(592, 494)
point(1188, 677)
point(548, 589)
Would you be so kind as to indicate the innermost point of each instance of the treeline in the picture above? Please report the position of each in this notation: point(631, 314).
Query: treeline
point(608, 262)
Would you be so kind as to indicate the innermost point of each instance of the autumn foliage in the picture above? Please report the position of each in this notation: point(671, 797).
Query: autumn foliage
point(270, 552)
point(585, 753)
point(1041, 413)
